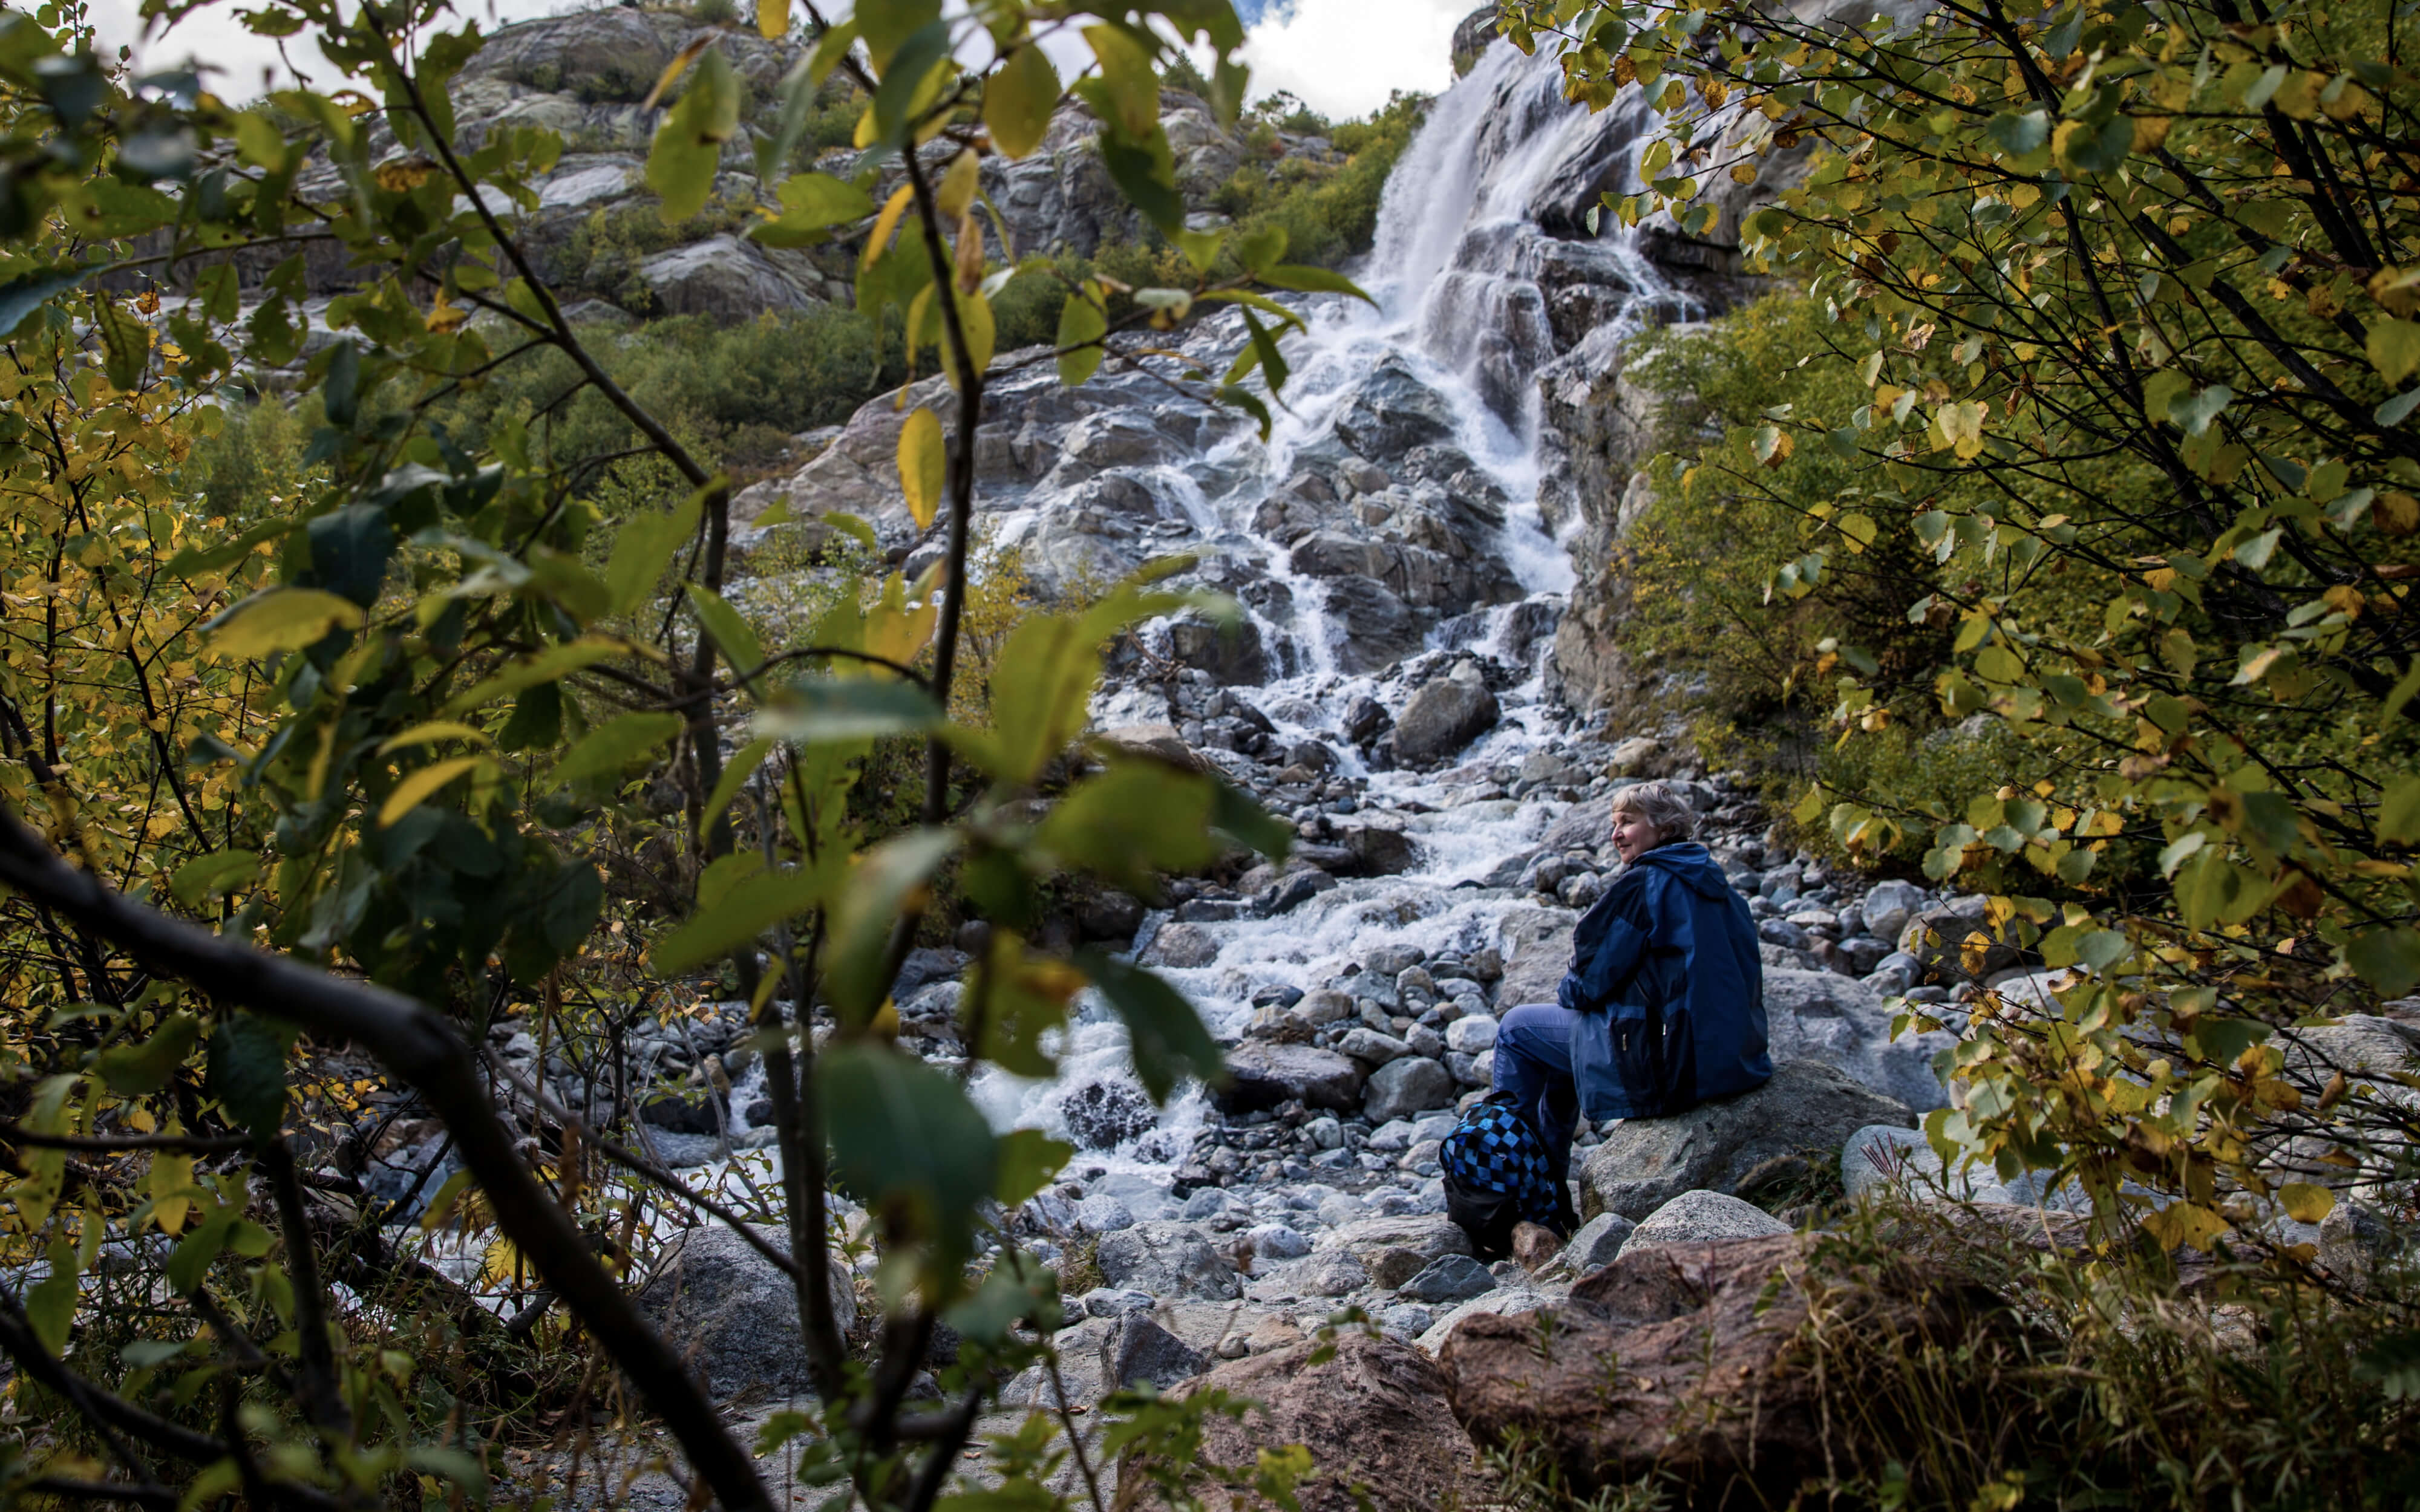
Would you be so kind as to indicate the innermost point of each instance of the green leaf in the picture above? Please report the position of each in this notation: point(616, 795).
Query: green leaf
point(1165, 1034)
point(1019, 100)
point(732, 921)
point(2395, 348)
point(2387, 959)
point(1082, 325)
point(133, 1070)
point(878, 892)
point(247, 1071)
point(923, 466)
point(125, 342)
point(2103, 949)
point(908, 1141)
point(2398, 812)
point(51, 1303)
point(610, 747)
point(205, 876)
point(1309, 280)
point(688, 146)
point(1239, 816)
point(1028, 1160)
point(730, 633)
point(2017, 134)
point(812, 203)
point(2193, 415)
point(736, 772)
point(529, 672)
point(885, 25)
point(281, 619)
point(27, 292)
point(903, 79)
point(195, 560)
point(1137, 819)
point(644, 546)
point(825, 710)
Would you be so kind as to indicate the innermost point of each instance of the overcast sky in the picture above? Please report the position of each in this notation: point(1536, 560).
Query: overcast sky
point(1342, 57)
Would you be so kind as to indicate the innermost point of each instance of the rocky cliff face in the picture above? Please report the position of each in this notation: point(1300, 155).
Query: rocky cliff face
point(585, 76)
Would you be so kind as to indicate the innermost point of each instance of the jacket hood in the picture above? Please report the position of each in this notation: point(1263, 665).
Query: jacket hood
point(1689, 862)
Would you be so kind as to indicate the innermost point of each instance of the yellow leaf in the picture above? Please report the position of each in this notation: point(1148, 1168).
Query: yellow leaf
point(772, 18)
point(1019, 100)
point(444, 318)
point(422, 784)
point(887, 223)
point(923, 466)
point(1744, 173)
point(956, 193)
point(681, 60)
point(282, 618)
point(2306, 1203)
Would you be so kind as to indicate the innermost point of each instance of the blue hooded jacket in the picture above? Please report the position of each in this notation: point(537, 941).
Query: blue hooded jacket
point(1667, 976)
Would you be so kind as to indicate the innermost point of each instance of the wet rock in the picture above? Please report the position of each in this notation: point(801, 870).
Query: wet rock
point(1380, 629)
point(1263, 1075)
point(689, 1114)
point(1181, 945)
point(1443, 716)
point(1391, 411)
point(734, 1313)
point(1380, 850)
point(1277, 1242)
point(1110, 915)
point(1366, 719)
point(927, 965)
point(1449, 1279)
point(1167, 1259)
point(1113, 1302)
point(1645, 1163)
point(1371, 1412)
point(1405, 1086)
point(1103, 1115)
point(1715, 1397)
point(1140, 1350)
point(1703, 1217)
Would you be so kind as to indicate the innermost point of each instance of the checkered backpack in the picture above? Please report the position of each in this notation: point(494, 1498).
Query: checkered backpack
point(1497, 1174)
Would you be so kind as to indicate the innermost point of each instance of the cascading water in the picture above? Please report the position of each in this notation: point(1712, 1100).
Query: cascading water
point(1465, 269)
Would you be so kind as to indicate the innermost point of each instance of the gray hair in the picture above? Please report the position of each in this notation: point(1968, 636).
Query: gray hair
point(1662, 805)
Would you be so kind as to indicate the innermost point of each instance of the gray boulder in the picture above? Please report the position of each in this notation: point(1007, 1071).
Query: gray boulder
point(1181, 947)
point(1380, 629)
point(1645, 1163)
point(1824, 1016)
point(1393, 411)
point(1889, 905)
point(1537, 953)
point(734, 1313)
point(1595, 1243)
point(727, 279)
point(1958, 943)
point(1699, 1218)
point(1394, 1250)
point(1443, 716)
point(1262, 1075)
point(1449, 1279)
point(1139, 1350)
point(1400, 1089)
point(1167, 1259)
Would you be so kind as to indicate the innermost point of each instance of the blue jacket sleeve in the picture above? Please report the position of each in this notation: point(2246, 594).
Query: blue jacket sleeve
point(1594, 975)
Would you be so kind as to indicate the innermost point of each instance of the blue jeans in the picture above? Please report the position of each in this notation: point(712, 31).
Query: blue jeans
point(1533, 1062)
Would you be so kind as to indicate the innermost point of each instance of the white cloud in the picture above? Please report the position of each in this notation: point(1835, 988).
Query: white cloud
point(1344, 57)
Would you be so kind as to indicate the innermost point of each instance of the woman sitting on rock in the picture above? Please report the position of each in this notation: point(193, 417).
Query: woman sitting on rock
point(1664, 1004)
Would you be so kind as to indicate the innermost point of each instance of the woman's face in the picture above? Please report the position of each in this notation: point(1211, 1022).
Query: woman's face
point(1633, 836)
